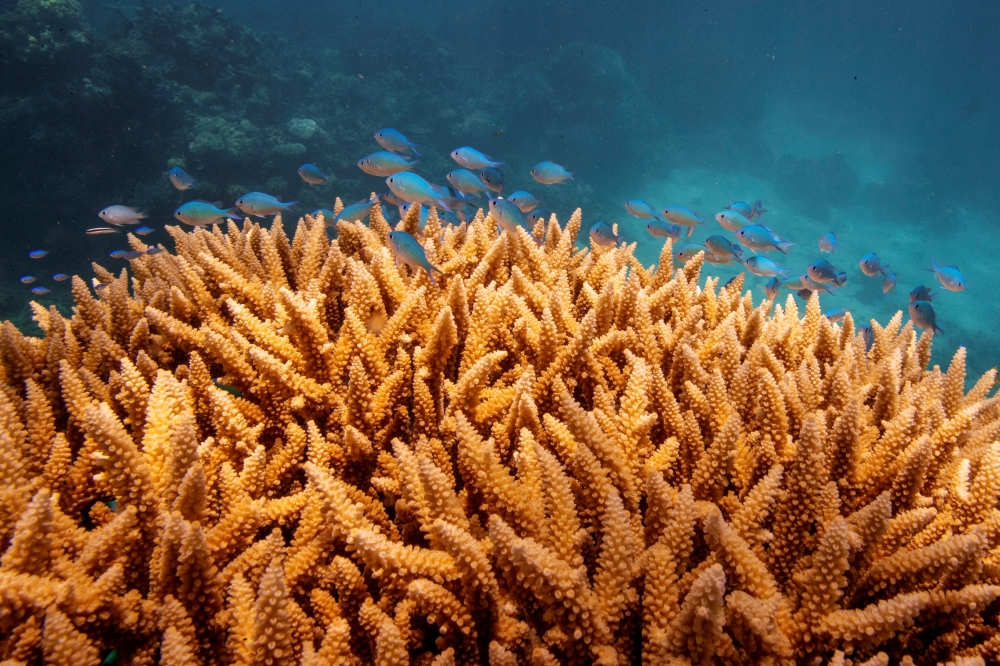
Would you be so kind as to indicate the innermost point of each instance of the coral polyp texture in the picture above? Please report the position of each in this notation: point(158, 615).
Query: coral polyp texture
point(259, 450)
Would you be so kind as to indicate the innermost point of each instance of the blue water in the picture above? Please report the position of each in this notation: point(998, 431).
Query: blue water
point(876, 121)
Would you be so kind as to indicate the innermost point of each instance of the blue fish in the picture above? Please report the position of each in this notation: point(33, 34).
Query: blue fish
point(121, 215)
point(771, 288)
point(922, 315)
point(470, 158)
point(203, 214)
point(465, 212)
point(390, 198)
point(38, 254)
point(464, 180)
point(867, 335)
point(538, 215)
point(59, 277)
point(889, 281)
point(154, 250)
point(143, 231)
point(603, 234)
point(27, 279)
point(550, 173)
point(828, 242)
point(720, 246)
point(259, 204)
point(118, 254)
point(135, 254)
point(411, 188)
point(41, 291)
point(949, 276)
point(642, 210)
point(312, 175)
point(922, 293)
point(392, 140)
point(764, 267)
point(687, 252)
point(493, 179)
point(823, 271)
point(812, 285)
point(871, 265)
point(325, 212)
point(355, 212)
point(732, 220)
point(407, 250)
point(422, 215)
point(383, 163)
point(508, 217)
point(523, 200)
point(760, 238)
point(663, 229)
point(836, 315)
point(180, 178)
point(684, 217)
point(741, 207)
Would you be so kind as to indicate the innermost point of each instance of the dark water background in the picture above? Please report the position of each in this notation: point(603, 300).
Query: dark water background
point(880, 121)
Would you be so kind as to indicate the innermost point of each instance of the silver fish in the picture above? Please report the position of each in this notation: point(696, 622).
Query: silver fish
point(922, 315)
point(949, 276)
point(871, 265)
point(603, 234)
point(889, 281)
point(922, 293)
point(392, 140)
point(828, 242)
point(550, 173)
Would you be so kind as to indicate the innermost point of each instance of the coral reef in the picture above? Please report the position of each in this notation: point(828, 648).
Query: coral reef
point(263, 450)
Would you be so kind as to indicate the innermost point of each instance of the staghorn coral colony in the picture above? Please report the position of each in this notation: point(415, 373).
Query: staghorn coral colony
point(269, 451)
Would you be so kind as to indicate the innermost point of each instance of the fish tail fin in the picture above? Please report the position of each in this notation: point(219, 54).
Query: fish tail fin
point(416, 161)
point(784, 272)
point(413, 149)
point(571, 175)
point(441, 204)
point(937, 329)
point(232, 213)
point(784, 246)
point(288, 206)
point(729, 206)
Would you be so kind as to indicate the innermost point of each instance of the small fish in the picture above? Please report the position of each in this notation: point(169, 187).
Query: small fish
point(180, 178)
point(537, 215)
point(312, 175)
point(523, 200)
point(203, 214)
point(836, 315)
point(59, 277)
point(758, 209)
point(41, 291)
point(949, 276)
point(392, 140)
point(771, 288)
point(121, 215)
point(795, 283)
point(262, 205)
point(470, 158)
point(38, 254)
point(118, 254)
point(804, 294)
point(464, 180)
point(407, 250)
point(99, 286)
point(731, 281)
point(391, 198)
point(687, 252)
point(550, 173)
point(760, 238)
point(422, 215)
point(732, 220)
point(889, 281)
point(325, 212)
point(383, 163)
point(642, 210)
point(922, 315)
point(143, 231)
point(450, 218)
point(717, 259)
point(449, 197)
point(412, 188)
point(867, 335)
point(465, 212)
point(498, 133)
point(135, 254)
point(154, 250)
point(100, 231)
point(764, 267)
point(684, 217)
point(871, 265)
point(663, 229)
point(741, 208)
point(493, 179)
point(823, 271)
point(355, 212)
point(508, 216)
point(27, 279)
point(812, 285)
point(922, 293)
point(112, 658)
point(828, 242)
point(603, 234)
point(721, 247)
point(227, 388)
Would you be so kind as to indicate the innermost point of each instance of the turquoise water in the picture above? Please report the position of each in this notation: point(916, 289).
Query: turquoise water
point(878, 122)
